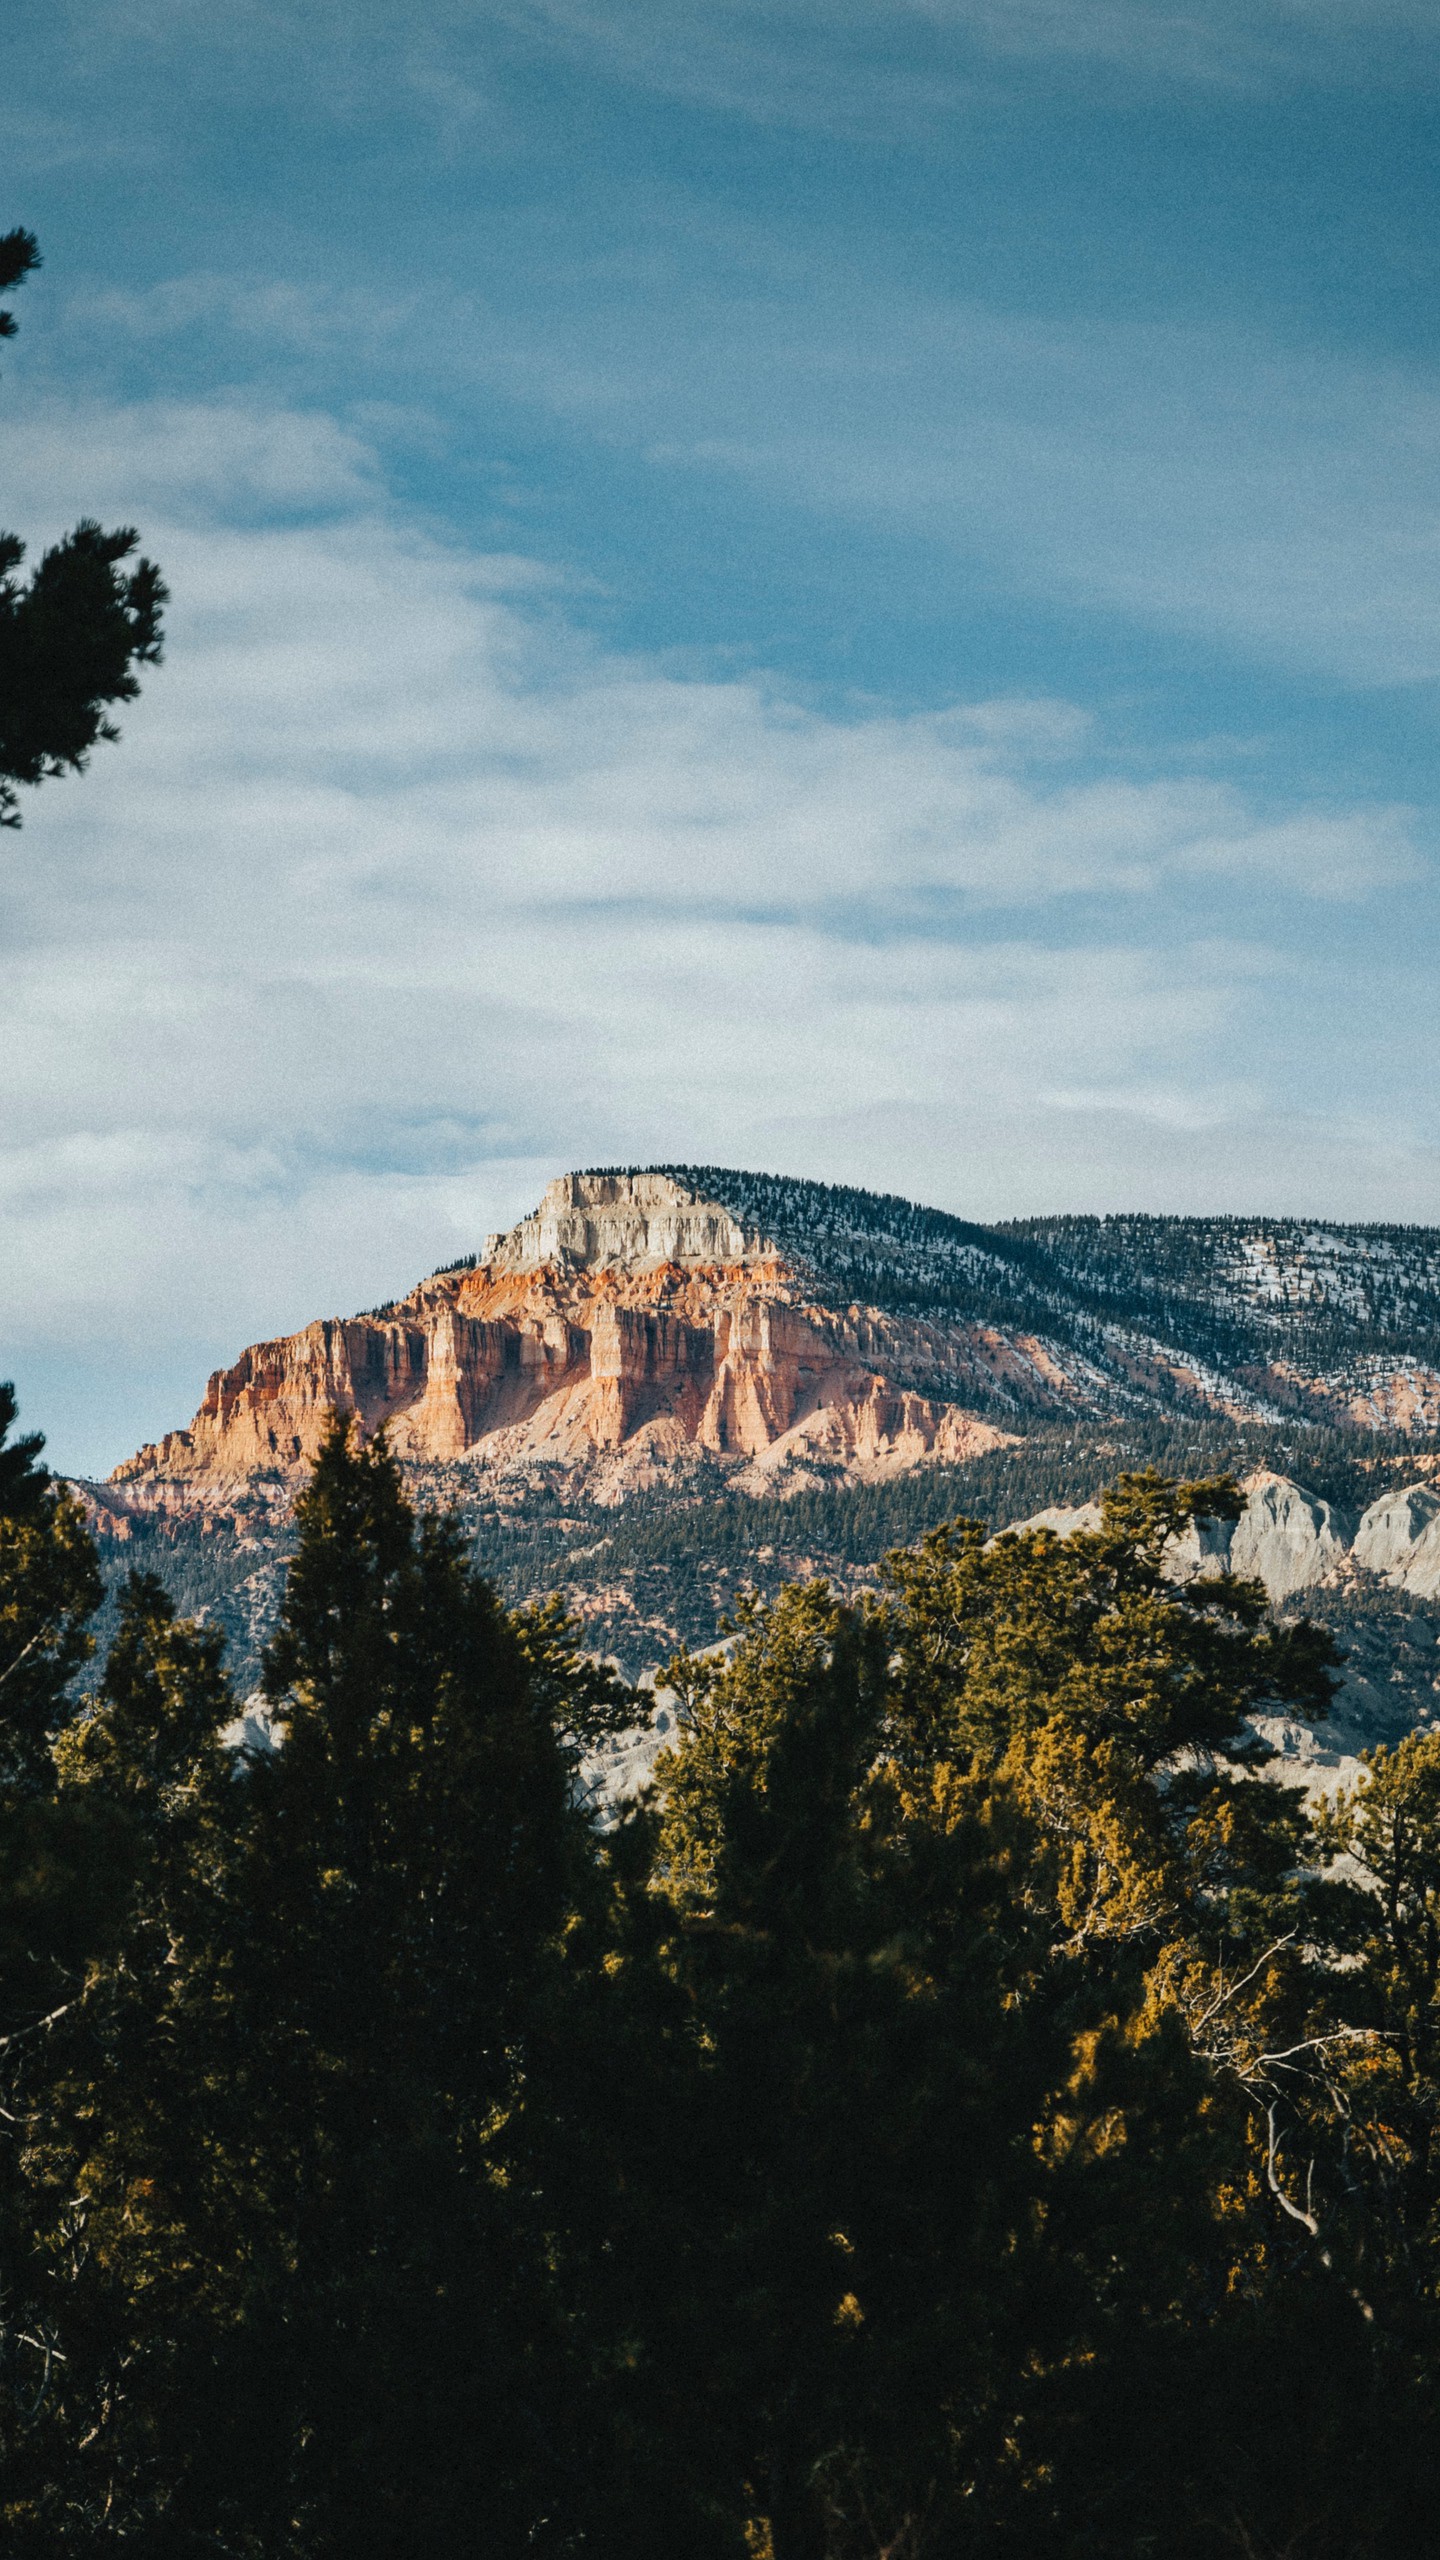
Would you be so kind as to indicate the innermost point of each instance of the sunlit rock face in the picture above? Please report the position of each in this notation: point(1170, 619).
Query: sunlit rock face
point(786, 1334)
point(687, 1333)
point(623, 1325)
point(1285, 1537)
point(625, 1221)
point(1399, 1538)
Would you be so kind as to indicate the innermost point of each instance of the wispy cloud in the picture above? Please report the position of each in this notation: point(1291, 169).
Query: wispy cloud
point(1280, 503)
point(401, 891)
point(846, 62)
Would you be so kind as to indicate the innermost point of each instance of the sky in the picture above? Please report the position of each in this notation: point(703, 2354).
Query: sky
point(846, 587)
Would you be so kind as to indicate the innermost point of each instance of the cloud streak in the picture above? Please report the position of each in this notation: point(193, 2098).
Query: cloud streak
point(846, 63)
point(1274, 502)
point(402, 892)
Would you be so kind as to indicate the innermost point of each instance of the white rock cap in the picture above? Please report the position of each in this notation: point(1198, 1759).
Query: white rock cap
point(591, 1221)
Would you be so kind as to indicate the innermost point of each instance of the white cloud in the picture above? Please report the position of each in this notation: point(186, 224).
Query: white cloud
point(876, 63)
point(400, 894)
point(1276, 500)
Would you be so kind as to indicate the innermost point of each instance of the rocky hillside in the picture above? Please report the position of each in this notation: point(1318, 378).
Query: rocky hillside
point(626, 1327)
point(1262, 1316)
point(670, 1384)
point(637, 1316)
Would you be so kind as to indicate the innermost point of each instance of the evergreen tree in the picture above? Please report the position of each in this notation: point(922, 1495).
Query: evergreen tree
point(952, 2115)
point(73, 633)
point(864, 2095)
point(331, 2323)
point(291, 2155)
point(1011, 1993)
point(62, 1869)
point(130, 2171)
point(405, 1879)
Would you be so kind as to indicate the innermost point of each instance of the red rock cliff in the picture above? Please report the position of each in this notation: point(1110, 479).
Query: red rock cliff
point(621, 1325)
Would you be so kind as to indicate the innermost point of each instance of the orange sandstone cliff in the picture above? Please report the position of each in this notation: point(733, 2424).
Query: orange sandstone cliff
point(624, 1328)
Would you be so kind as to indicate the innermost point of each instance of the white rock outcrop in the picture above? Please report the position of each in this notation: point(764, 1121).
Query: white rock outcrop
point(1285, 1537)
point(1065, 1524)
point(587, 1221)
point(1399, 1538)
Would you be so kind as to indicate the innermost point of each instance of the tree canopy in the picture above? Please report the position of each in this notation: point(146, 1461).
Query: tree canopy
point(73, 633)
point(964, 2106)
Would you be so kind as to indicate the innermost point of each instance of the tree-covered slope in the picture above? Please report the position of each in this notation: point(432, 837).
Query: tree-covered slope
point(1236, 1291)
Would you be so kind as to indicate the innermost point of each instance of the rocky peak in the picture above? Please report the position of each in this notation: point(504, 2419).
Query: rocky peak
point(624, 1221)
point(1399, 1538)
point(645, 1320)
point(628, 1328)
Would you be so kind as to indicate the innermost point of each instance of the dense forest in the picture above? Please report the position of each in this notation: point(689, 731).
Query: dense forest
point(1232, 1291)
point(671, 1563)
point(963, 2108)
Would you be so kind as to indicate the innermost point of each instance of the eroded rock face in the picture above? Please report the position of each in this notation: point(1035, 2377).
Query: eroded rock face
point(1399, 1538)
point(609, 1333)
point(633, 1221)
point(1285, 1537)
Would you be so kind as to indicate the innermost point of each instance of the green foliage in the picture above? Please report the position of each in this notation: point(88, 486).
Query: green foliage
point(19, 258)
point(55, 1865)
point(963, 2108)
point(73, 633)
point(1388, 1826)
point(49, 1590)
point(960, 1882)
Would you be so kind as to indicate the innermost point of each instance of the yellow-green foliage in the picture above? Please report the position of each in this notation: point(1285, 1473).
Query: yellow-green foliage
point(963, 2110)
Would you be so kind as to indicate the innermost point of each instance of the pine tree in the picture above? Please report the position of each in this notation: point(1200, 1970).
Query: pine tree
point(290, 2177)
point(129, 2172)
point(402, 1886)
point(1018, 2053)
point(63, 1872)
point(73, 634)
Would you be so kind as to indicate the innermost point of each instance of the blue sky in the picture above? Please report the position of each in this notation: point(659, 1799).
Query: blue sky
point(848, 588)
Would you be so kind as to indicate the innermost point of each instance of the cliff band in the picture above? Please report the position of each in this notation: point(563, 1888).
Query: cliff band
point(789, 1334)
point(623, 1324)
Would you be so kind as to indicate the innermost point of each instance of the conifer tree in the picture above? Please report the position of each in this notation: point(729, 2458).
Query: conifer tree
point(127, 2157)
point(63, 1869)
point(302, 2167)
point(864, 2093)
point(73, 633)
point(1010, 1985)
point(403, 1877)
point(951, 2116)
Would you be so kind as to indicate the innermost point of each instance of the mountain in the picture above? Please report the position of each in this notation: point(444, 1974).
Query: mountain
point(629, 1324)
point(672, 1383)
point(641, 1314)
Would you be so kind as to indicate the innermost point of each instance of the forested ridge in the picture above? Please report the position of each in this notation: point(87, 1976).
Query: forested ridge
point(963, 2108)
point(670, 1563)
point(1228, 1289)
